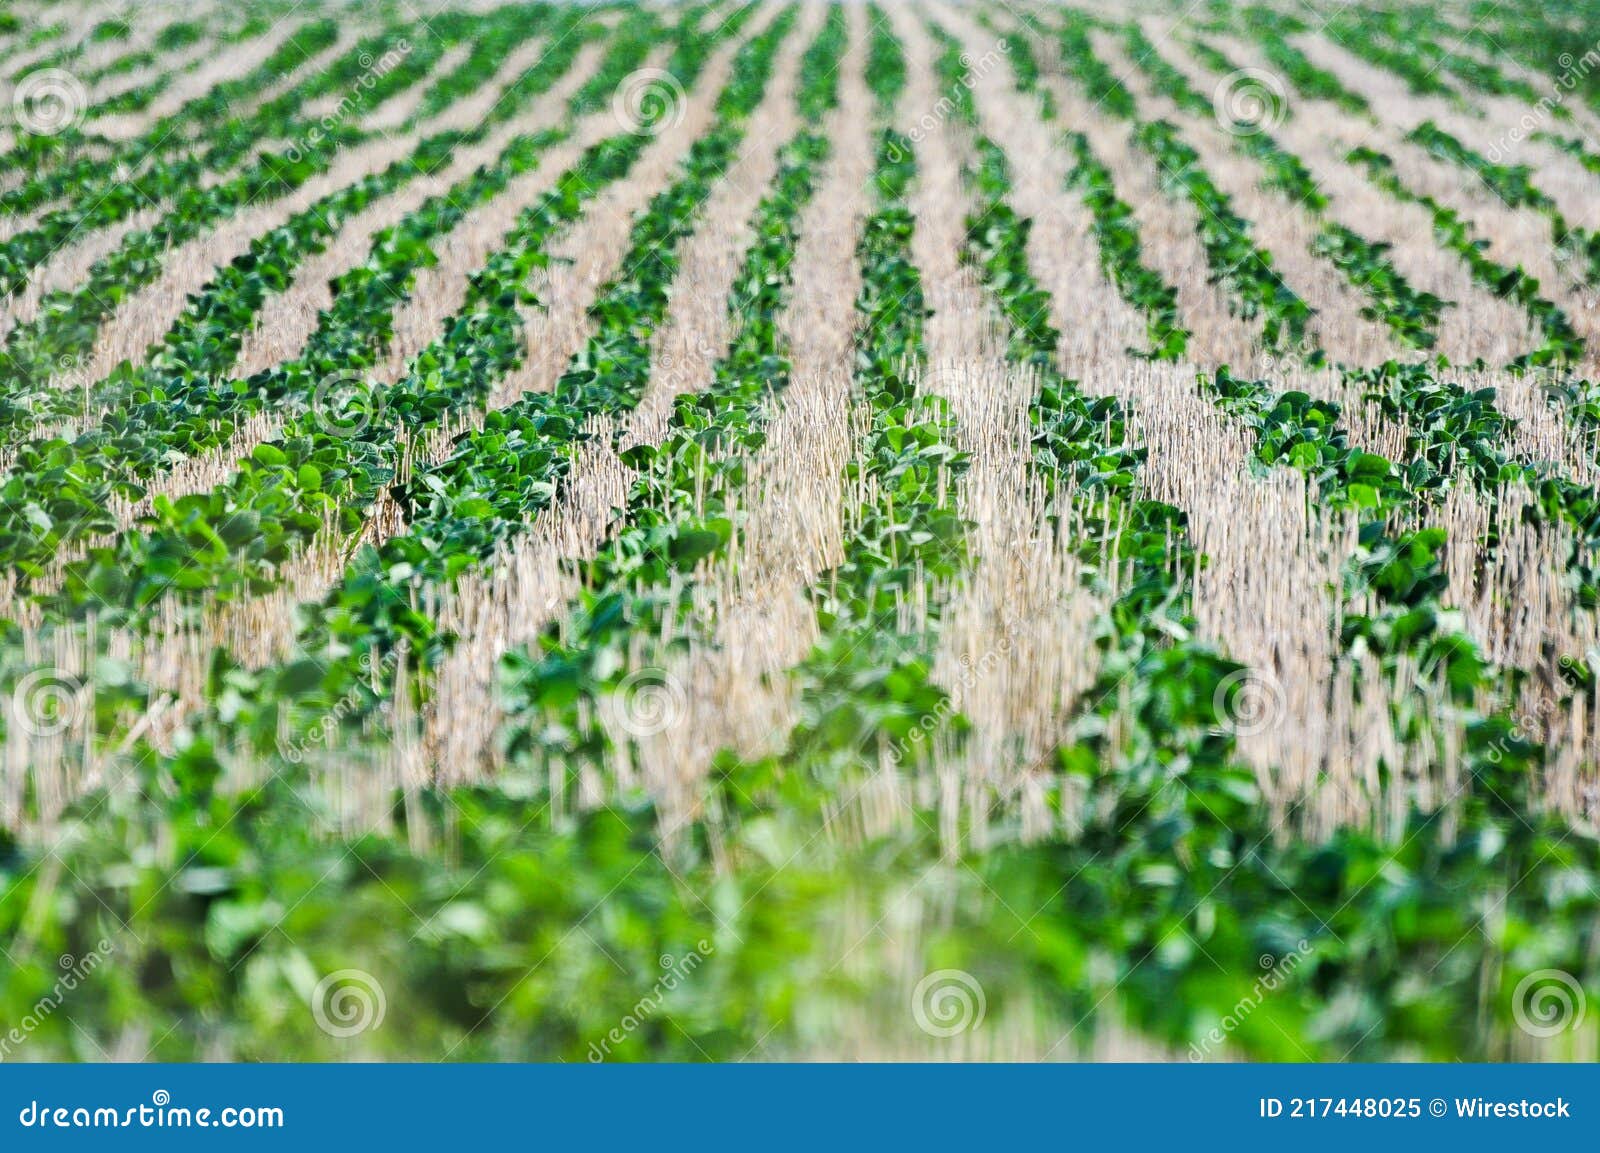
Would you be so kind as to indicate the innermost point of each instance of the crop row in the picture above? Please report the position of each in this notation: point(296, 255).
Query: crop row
point(865, 689)
point(1235, 260)
point(886, 62)
point(59, 491)
point(1024, 65)
point(1173, 883)
point(1411, 315)
point(1116, 234)
point(1562, 345)
point(106, 199)
point(680, 510)
point(1271, 29)
point(1534, 37)
point(1514, 186)
point(1371, 945)
point(207, 135)
point(1170, 708)
point(37, 153)
point(497, 478)
point(1407, 40)
point(477, 345)
point(69, 319)
point(1573, 146)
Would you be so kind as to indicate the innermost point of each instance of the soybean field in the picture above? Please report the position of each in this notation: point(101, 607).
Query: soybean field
point(966, 530)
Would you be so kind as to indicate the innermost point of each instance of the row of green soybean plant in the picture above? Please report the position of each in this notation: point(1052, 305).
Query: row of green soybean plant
point(20, 39)
point(61, 158)
point(178, 38)
point(1448, 423)
point(71, 49)
point(1412, 316)
point(1272, 29)
point(1112, 219)
point(168, 163)
point(462, 511)
point(1539, 40)
point(1237, 263)
point(74, 153)
point(36, 150)
point(681, 509)
point(496, 480)
point(865, 693)
point(1451, 430)
point(205, 122)
point(204, 341)
point(198, 542)
point(1418, 44)
point(1414, 58)
point(70, 319)
point(1573, 146)
point(480, 922)
point(1561, 345)
point(1369, 919)
point(180, 403)
point(1513, 185)
point(230, 542)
